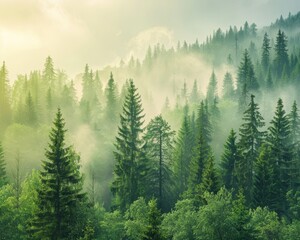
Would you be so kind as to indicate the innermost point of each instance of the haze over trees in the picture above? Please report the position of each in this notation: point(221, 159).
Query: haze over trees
point(154, 149)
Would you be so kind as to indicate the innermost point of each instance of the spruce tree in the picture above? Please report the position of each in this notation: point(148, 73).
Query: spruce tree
point(30, 111)
point(49, 73)
point(129, 151)
point(281, 149)
point(201, 153)
point(60, 195)
point(294, 120)
point(229, 161)
point(212, 89)
point(251, 138)
point(3, 176)
point(265, 56)
point(194, 97)
point(5, 116)
point(210, 181)
point(159, 141)
point(246, 75)
point(183, 155)
point(228, 88)
point(111, 100)
point(265, 183)
point(281, 60)
point(269, 82)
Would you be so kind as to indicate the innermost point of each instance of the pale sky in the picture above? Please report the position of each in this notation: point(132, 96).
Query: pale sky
point(100, 32)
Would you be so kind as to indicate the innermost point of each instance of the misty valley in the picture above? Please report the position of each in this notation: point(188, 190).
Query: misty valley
point(194, 141)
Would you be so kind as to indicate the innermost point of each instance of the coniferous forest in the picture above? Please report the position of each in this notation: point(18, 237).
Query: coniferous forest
point(196, 141)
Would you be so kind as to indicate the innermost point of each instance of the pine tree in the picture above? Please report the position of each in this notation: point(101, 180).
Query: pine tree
point(155, 219)
point(210, 181)
point(183, 155)
point(49, 73)
point(129, 151)
point(30, 112)
point(281, 60)
point(111, 100)
point(228, 88)
point(5, 116)
point(294, 120)
point(269, 82)
point(229, 161)
point(265, 56)
point(194, 97)
point(246, 75)
point(3, 176)
point(250, 141)
point(60, 195)
point(281, 150)
point(212, 89)
point(201, 153)
point(159, 140)
point(264, 184)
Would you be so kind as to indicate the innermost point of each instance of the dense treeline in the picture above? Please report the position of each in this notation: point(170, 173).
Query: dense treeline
point(221, 166)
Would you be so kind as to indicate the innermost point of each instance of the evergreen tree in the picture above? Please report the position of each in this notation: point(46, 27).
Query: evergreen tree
point(30, 112)
point(229, 161)
point(281, 150)
point(183, 155)
point(194, 97)
point(246, 75)
point(159, 140)
point(294, 120)
point(155, 219)
point(5, 116)
point(265, 56)
point(49, 73)
point(212, 89)
point(111, 100)
point(60, 195)
point(201, 153)
point(228, 88)
point(3, 176)
point(264, 184)
point(269, 82)
point(210, 181)
point(251, 138)
point(281, 60)
point(129, 151)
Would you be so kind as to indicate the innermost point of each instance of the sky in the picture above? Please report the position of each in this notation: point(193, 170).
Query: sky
point(102, 32)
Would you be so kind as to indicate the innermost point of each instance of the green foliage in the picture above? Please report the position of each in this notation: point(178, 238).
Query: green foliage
point(60, 196)
point(265, 224)
point(130, 165)
point(251, 138)
point(229, 161)
point(112, 226)
point(3, 176)
point(178, 224)
point(159, 146)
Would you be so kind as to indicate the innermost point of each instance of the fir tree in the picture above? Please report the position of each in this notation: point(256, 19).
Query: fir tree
point(281, 60)
point(264, 184)
point(265, 56)
point(111, 100)
point(49, 73)
point(228, 88)
point(280, 145)
point(294, 120)
point(60, 194)
point(5, 116)
point(183, 155)
point(129, 150)
point(210, 181)
point(251, 138)
point(212, 89)
point(246, 75)
point(269, 82)
point(31, 115)
point(194, 97)
point(229, 161)
point(159, 140)
point(3, 176)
